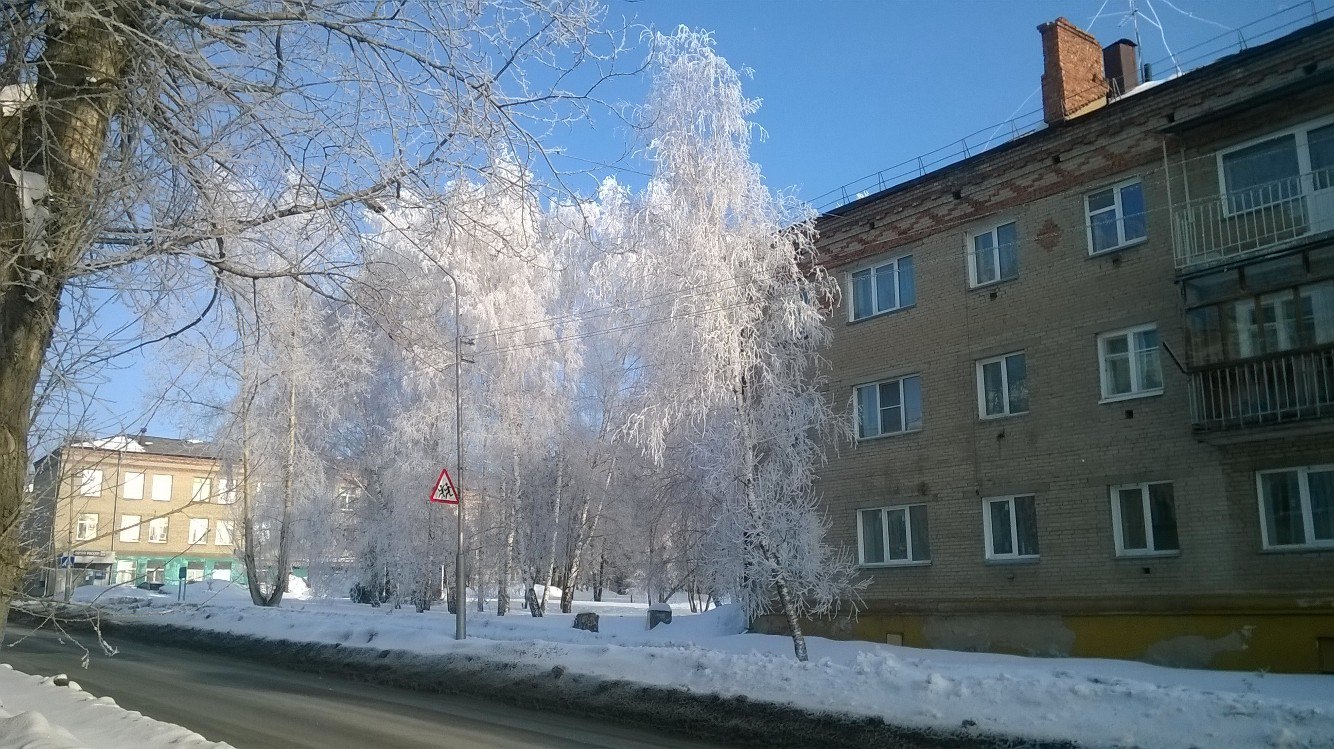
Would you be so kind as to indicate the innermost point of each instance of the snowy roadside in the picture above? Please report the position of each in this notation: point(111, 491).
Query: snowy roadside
point(932, 696)
point(53, 713)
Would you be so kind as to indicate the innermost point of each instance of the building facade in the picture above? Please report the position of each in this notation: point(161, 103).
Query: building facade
point(131, 510)
point(1092, 372)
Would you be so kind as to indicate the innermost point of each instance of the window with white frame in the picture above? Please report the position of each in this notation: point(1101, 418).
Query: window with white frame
point(201, 488)
point(1278, 168)
point(86, 528)
point(90, 482)
point(157, 531)
point(1297, 507)
point(155, 571)
point(1010, 525)
point(1129, 364)
point(162, 487)
point(1002, 385)
point(222, 532)
point(993, 255)
point(889, 407)
point(347, 498)
point(226, 492)
point(132, 487)
point(1144, 519)
point(129, 528)
point(198, 530)
point(893, 535)
point(882, 288)
point(1116, 216)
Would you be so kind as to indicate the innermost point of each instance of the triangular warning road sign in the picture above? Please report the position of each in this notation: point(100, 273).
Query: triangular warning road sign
point(444, 491)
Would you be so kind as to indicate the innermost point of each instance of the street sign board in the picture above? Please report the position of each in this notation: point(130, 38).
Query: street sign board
point(66, 560)
point(444, 491)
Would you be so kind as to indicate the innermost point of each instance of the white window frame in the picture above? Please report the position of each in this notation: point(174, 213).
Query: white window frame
point(1118, 528)
point(1122, 242)
point(226, 491)
point(90, 482)
point(1005, 385)
point(158, 483)
point(1136, 387)
point(1304, 171)
point(970, 252)
point(85, 529)
point(198, 531)
point(223, 537)
point(876, 310)
point(903, 408)
point(1308, 520)
point(132, 485)
point(884, 535)
point(1013, 556)
point(201, 489)
point(129, 528)
point(158, 527)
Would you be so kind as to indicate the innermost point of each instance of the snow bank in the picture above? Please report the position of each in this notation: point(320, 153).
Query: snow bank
point(37, 714)
point(1089, 701)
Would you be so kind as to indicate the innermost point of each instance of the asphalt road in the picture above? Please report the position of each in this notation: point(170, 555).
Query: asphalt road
point(248, 704)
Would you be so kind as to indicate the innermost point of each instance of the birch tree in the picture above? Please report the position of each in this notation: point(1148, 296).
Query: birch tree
point(117, 113)
point(740, 355)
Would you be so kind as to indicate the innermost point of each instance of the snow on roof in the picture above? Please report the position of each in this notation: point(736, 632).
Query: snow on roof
point(146, 443)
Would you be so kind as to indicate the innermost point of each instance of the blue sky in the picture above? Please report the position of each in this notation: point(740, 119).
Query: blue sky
point(851, 87)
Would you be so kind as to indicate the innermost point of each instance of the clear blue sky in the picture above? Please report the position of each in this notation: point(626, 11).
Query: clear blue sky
point(851, 87)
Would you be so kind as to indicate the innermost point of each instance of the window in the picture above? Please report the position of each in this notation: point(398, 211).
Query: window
point(198, 530)
point(154, 572)
point(893, 535)
point(882, 288)
point(162, 487)
point(226, 492)
point(994, 255)
point(1279, 168)
point(90, 482)
point(222, 571)
point(133, 485)
point(1010, 525)
point(157, 531)
point(222, 534)
point(890, 407)
point(1116, 216)
point(129, 528)
point(1002, 386)
point(200, 489)
point(1144, 519)
point(347, 498)
point(1297, 507)
point(1129, 363)
point(194, 571)
point(86, 529)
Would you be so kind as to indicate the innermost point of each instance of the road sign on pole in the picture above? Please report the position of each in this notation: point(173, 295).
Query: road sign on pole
point(66, 560)
point(444, 491)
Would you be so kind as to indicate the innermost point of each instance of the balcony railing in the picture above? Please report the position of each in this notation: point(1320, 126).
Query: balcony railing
point(1279, 389)
point(1259, 219)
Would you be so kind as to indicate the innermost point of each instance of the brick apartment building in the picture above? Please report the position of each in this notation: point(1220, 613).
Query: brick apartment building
point(1093, 372)
point(130, 510)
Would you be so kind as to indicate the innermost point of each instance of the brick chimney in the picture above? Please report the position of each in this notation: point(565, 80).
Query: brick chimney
point(1118, 64)
point(1072, 79)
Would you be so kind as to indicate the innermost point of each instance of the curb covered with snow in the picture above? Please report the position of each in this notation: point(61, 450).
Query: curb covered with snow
point(734, 721)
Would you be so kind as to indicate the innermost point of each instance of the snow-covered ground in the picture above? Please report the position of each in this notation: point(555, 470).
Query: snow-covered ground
point(1088, 701)
point(50, 713)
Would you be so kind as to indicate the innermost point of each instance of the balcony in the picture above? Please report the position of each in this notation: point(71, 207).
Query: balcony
point(1277, 389)
point(1261, 219)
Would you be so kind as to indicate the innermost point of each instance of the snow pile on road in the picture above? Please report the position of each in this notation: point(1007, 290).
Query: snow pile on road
point(1092, 702)
point(35, 713)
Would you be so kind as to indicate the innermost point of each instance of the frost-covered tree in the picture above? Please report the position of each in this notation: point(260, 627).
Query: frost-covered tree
point(740, 355)
point(118, 114)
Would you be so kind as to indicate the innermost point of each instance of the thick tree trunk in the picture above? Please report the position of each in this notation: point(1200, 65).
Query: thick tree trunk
point(550, 563)
point(60, 136)
point(793, 624)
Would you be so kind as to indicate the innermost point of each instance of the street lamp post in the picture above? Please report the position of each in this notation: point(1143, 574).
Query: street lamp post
point(460, 597)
